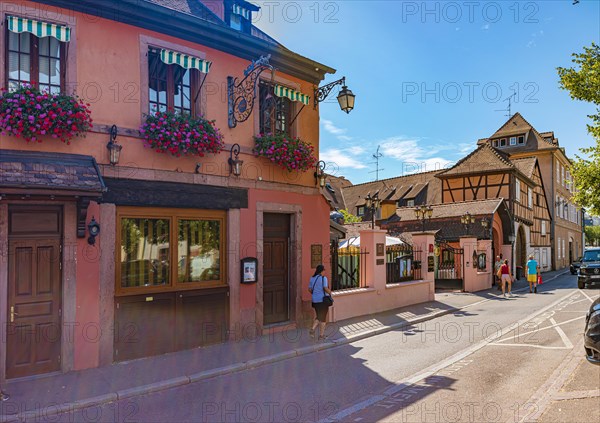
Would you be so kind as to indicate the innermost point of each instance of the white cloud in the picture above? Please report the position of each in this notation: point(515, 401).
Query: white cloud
point(334, 130)
point(414, 158)
point(340, 159)
point(486, 27)
point(356, 150)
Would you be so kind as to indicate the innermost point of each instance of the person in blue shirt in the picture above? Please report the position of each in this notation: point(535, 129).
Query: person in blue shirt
point(533, 270)
point(318, 287)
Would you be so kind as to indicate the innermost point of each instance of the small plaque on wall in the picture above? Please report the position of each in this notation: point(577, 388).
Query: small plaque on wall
point(430, 264)
point(380, 261)
point(380, 249)
point(316, 255)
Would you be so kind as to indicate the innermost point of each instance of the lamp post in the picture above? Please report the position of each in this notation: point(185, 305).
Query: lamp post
point(345, 97)
point(485, 222)
point(467, 219)
point(372, 203)
point(320, 173)
point(422, 213)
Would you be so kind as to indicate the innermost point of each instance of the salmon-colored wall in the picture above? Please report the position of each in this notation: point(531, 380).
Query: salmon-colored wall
point(87, 315)
point(109, 76)
point(315, 217)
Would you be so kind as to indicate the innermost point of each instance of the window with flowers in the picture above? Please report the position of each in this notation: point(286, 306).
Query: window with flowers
point(275, 112)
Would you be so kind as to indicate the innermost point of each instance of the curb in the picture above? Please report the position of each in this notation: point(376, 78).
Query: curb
point(230, 369)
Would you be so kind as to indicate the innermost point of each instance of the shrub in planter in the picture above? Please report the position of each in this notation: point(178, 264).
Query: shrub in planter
point(181, 134)
point(31, 114)
point(287, 152)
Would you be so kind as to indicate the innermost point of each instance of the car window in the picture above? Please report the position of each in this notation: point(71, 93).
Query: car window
point(591, 256)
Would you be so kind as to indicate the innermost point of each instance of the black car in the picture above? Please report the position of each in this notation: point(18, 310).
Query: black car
point(589, 272)
point(574, 267)
point(591, 335)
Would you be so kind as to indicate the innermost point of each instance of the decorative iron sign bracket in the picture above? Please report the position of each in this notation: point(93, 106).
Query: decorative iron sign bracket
point(242, 94)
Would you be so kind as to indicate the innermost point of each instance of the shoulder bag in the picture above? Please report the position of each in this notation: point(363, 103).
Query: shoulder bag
point(327, 300)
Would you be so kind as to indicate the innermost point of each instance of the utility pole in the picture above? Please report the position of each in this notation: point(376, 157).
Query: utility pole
point(376, 156)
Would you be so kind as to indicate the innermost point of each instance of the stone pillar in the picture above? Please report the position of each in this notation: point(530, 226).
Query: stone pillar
point(421, 242)
point(469, 244)
point(375, 268)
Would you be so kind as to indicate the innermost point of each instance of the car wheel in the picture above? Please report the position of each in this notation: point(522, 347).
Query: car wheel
point(580, 284)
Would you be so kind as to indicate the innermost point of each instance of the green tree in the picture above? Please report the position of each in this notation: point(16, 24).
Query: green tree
point(592, 235)
point(583, 83)
point(349, 217)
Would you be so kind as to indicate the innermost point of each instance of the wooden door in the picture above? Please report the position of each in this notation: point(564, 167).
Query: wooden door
point(276, 283)
point(34, 307)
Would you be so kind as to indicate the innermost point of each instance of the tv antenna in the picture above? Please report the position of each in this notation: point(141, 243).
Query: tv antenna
point(508, 109)
point(376, 156)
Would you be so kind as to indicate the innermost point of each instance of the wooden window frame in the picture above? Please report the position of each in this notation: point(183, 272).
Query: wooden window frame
point(289, 114)
point(34, 60)
point(360, 209)
point(512, 141)
point(173, 216)
point(194, 86)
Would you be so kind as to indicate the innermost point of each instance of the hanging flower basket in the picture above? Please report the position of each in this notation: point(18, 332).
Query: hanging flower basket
point(181, 135)
point(31, 114)
point(287, 152)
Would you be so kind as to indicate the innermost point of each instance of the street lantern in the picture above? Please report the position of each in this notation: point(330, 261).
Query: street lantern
point(467, 219)
point(346, 99)
point(422, 213)
point(320, 173)
point(114, 149)
point(235, 164)
point(372, 203)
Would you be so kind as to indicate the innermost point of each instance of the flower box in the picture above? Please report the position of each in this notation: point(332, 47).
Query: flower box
point(287, 152)
point(181, 135)
point(31, 114)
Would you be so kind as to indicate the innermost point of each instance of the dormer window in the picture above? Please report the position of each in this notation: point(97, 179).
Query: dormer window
point(410, 203)
point(503, 142)
point(513, 140)
point(360, 211)
point(521, 140)
point(238, 15)
point(495, 143)
point(329, 188)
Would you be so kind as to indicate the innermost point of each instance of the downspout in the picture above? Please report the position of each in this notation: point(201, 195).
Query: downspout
point(553, 214)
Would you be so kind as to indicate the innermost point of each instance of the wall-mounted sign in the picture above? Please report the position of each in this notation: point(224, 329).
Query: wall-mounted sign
point(430, 264)
point(436, 251)
point(249, 270)
point(380, 249)
point(380, 262)
point(316, 255)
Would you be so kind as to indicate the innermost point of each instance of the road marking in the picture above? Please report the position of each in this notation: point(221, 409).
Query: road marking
point(432, 370)
point(545, 328)
point(541, 347)
point(589, 298)
point(593, 393)
point(562, 334)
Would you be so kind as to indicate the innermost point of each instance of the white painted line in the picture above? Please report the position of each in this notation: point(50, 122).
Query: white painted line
point(545, 328)
point(411, 380)
point(562, 334)
point(542, 347)
point(588, 297)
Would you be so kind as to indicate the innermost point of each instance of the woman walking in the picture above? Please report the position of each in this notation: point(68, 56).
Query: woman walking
point(506, 278)
point(319, 288)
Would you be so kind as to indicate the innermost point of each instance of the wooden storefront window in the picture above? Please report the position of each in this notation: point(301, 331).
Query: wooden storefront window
point(163, 250)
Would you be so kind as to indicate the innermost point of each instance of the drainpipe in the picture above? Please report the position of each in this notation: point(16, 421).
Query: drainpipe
point(553, 214)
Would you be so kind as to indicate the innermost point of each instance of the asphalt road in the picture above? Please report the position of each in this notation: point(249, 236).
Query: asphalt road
point(494, 361)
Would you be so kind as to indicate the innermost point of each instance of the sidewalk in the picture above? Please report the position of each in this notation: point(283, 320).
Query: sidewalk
point(54, 394)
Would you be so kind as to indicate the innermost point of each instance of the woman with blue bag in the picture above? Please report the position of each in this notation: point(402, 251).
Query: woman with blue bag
point(321, 300)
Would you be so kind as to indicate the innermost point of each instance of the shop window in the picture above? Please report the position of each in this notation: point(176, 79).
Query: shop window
point(167, 250)
point(171, 87)
point(36, 61)
point(275, 112)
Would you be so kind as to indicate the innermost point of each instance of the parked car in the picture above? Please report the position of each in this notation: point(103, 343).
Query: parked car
point(591, 335)
point(589, 272)
point(574, 267)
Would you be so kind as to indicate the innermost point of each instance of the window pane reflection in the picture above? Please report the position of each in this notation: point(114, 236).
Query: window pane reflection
point(199, 250)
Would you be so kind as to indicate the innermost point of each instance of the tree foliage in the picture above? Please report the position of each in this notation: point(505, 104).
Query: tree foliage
point(583, 83)
point(349, 217)
point(592, 235)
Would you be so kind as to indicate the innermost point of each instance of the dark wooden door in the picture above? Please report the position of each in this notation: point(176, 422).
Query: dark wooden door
point(34, 294)
point(276, 283)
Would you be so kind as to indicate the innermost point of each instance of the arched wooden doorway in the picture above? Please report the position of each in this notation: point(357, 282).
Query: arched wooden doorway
point(520, 258)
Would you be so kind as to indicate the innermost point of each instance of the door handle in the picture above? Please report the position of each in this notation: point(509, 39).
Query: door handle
point(12, 314)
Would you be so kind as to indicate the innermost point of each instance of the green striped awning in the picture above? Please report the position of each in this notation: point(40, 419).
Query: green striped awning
point(238, 10)
point(281, 91)
point(187, 62)
point(39, 29)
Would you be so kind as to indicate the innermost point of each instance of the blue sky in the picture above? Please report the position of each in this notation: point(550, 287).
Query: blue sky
point(429, 76)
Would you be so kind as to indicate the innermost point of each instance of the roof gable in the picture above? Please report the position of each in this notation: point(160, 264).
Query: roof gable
point(483, 159)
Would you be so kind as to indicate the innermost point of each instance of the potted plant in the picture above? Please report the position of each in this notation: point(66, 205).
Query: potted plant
point(180, 134)
point(31, 114)
point(287, 152)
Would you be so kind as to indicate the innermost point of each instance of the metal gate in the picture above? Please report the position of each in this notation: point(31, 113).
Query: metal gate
point(347, 267)
point(449, 267)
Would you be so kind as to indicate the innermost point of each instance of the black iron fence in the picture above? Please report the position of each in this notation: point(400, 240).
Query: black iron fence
point(403, 263)
point(351, 269)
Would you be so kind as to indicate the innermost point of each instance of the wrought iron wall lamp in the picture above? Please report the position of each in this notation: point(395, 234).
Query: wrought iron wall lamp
point(345, 97)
